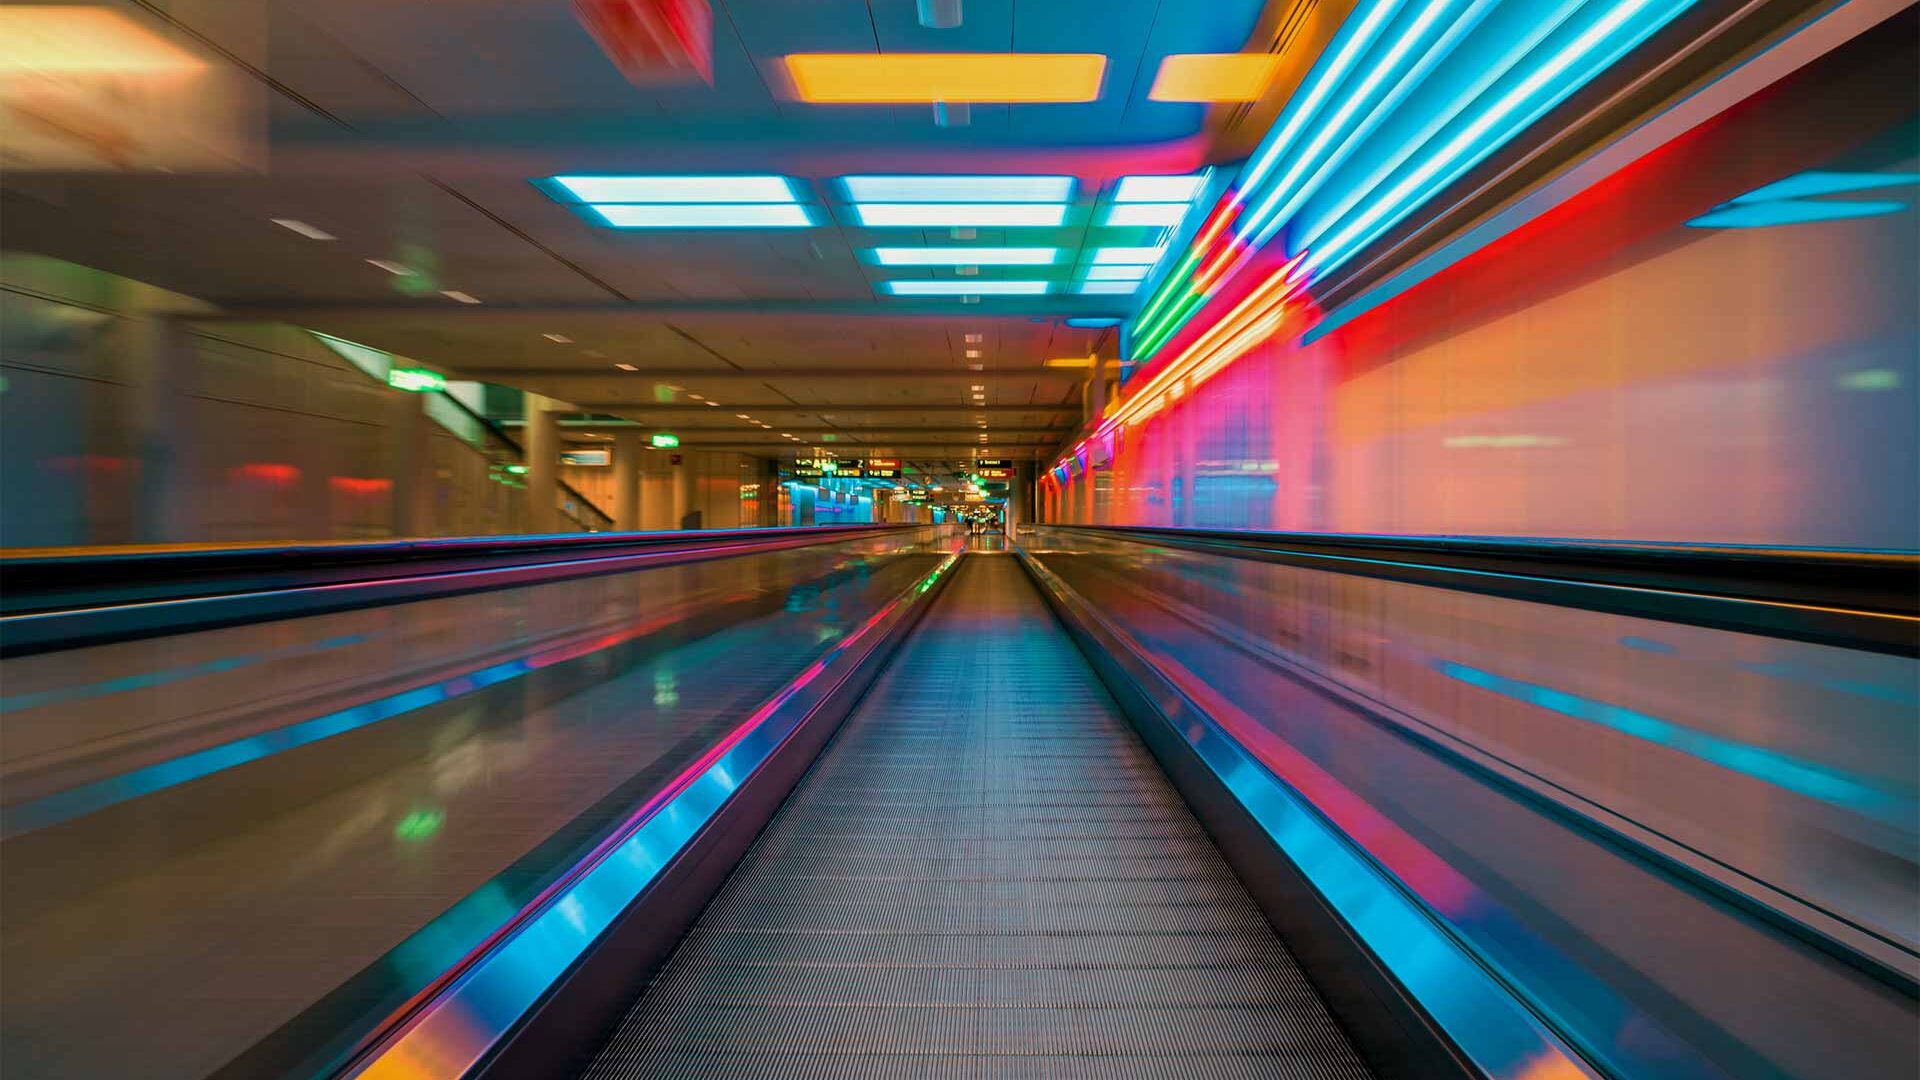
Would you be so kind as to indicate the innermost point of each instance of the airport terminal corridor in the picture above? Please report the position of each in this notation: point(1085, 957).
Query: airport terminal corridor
point(1282, 539)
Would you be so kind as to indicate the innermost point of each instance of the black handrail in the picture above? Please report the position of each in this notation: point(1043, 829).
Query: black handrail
point(60, 601)
point(1860, 599)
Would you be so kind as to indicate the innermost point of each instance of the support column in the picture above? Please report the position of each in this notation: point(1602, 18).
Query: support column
point(626, 480)
point(542, 444)
point(413, 486)
point(683, 469)
point(162, 420)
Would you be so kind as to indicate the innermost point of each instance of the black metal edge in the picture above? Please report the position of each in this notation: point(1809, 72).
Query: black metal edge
point(1865, 600)
point(22, 635)
point(36, 583)
point(561, 1034)
point(1386, 1025)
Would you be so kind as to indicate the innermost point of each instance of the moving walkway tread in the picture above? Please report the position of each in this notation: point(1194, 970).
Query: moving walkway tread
point(984, 874)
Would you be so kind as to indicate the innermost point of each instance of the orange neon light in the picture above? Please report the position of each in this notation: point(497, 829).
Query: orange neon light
point(1214, 77)
point(901, 78)
point(1250, 321)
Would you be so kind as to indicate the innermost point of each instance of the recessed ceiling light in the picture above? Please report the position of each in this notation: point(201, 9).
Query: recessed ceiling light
point(879, 78)
point(696, 397)
point(1070, 362)
point(1117, 273)
point(1107, 288)
point(979, 386)
point(1145, 214)
point(934, 215)
point(741, 416)
point(394, 268)
point(967, 288)
point(558, 339)
point(626, 367)
point(1159, 188)
point(303, 229)
point(678, 189)
point(975, 339)
point(958, 189)
point(1126, 256)
point(704, 216)
point(456, 294)
point(1214, 76)
point(965, 256)
point(714, 404)
point(976, 367)
point(972, 353)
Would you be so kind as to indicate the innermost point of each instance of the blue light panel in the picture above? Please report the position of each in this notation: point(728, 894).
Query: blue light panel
point(1117, 273)
point(1790, 212)
point(966, 288)
point(947, 215)
point(1107, 288)
point(678, 189)
point(954, 189)
point(715, 216)
point(1809, 184)
point(1134, 189)
point(965, 256)
point(1167, 214)
point(1127, 256)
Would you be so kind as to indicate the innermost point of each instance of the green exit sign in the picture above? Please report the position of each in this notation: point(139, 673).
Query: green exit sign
point(416, 380)
point(664, 441)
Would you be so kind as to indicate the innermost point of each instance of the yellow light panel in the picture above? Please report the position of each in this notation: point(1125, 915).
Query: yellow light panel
point(1070, 362)
point(901, 78)
point(1214, 76)
point(50, 38)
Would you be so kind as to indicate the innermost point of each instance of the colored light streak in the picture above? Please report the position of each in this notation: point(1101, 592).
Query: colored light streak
point(947, 215)
point(902, 78)
point(1351, 42)
point(958, 189)
point(1813, 780)
point(715, 216)
point(678, 189)
point(965, 256)
point(1791, 212)
point(1214, 77)
point(1183, 189)
point(966, 288)
point(1808, 185)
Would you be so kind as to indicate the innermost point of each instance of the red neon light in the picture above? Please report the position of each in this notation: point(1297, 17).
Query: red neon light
point(266, 472)
point(360, 486)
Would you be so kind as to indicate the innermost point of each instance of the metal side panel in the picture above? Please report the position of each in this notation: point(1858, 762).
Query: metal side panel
point(985, 874)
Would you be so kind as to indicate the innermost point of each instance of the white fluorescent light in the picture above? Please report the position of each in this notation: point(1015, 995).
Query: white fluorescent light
point(1146, 214)
point(558, 339)
point(678, 189)
point(934, 189)
point(975, 339)
point(1136, 189)
point(741, 416)
point(394, 268)
point(711, 216)
point(979, 386)
point(1127, 256)
point(967, 288)
point(626, 367)
point(965, 256)
point(303, 229)
point(972, 353)
point(930, 215)
point(1107, 288)
point(1117, 273)
point(456, 294)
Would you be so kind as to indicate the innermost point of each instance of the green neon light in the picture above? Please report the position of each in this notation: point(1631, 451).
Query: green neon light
point(1169, 287)
point(416, 380)
point(665, 441)
point(419, 825)
point(1178, 318)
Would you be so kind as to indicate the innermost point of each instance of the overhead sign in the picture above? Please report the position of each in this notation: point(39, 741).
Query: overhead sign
point(883, 468)
point(665, 441)
point(995, 474)
point(416, 380)
point(586, 457)
point(993, 463)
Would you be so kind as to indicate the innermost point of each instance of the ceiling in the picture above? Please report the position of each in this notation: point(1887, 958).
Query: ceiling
point(410, 131)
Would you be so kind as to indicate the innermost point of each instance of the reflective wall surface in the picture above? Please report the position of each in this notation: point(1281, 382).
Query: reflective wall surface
point(1576, 792)
point(1718, 343)
point(210, 834)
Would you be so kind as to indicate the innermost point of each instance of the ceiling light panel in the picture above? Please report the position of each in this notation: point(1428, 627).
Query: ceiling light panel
point(900, 78)
point(1127, 256)
point(965, 256)
point(1107, 288)
point(1159, 188)
point(1160, 214)
point(966, 288)
point(950, 189)
point(714, 216)
point(1117, 273)
point(1211, 77)
point(678, 189)
point(937, 215)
